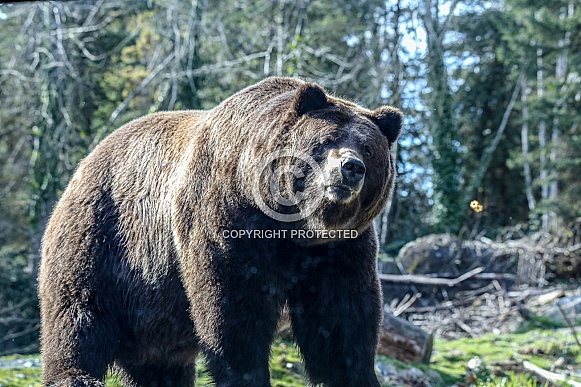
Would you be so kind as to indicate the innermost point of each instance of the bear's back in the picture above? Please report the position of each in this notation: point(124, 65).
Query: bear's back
point(117, 198)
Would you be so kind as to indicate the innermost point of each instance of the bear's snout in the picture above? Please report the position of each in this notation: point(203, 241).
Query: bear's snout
point(344, 175)
point(352, 170)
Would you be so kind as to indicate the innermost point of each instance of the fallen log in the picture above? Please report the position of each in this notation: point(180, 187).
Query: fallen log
point(400, 339)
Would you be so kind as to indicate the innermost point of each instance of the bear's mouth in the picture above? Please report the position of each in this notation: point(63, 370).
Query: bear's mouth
point(339, 193)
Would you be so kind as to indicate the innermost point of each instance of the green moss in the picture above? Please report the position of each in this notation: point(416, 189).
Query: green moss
point(286, 369)
point(541, 347)
point(19, 375)
point(510, 380)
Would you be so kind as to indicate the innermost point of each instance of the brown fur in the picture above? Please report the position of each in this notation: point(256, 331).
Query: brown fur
point(135, 272)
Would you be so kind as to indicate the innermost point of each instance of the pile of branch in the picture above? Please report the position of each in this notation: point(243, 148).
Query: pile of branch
point(446, 261)
point(465, 288)
point(472, 313)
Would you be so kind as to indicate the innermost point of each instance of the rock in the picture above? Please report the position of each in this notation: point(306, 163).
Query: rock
point(443, 253)
point(20, 363)
point(571, 306)
point(391, 375)
point(431, 254)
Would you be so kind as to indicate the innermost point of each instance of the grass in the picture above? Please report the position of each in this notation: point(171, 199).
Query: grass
point(19, 377)
point(511, 380)
point(498, 352)
point(501, 357)
point(285, 368)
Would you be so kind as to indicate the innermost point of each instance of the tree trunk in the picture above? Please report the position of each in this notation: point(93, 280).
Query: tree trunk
point(449, 209)
point(383, 237)
point(560, 74)
point(542, 142)
point(524, 135)
point(394, 69)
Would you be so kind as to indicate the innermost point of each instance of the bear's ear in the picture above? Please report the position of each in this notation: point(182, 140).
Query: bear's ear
point(389, 120)
point(309, 97)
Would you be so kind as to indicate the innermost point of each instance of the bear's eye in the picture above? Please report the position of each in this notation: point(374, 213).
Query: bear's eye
point(367, 152)
point(326, 141)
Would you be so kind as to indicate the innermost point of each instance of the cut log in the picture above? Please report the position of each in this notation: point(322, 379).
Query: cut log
point(400, 339)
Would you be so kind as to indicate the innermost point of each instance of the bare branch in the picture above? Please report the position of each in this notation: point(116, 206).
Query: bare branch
point(216, 67)
point(425, 280)
point(128, 99)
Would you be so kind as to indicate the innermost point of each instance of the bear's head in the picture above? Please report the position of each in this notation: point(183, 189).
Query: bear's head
point(333, 168)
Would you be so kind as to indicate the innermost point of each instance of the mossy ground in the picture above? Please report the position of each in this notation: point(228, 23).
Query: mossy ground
point(503, 356)
point(542, 347)
point(20, 376)
point(285, 367)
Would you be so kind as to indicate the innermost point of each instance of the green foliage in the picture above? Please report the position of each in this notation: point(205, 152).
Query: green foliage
point(541, 40)
point(18, 302)
point(484, 87)
point(286, 369)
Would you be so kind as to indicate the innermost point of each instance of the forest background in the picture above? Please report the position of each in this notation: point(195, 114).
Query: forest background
point(490, 91)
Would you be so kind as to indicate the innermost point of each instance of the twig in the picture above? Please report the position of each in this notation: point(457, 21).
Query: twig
point(412, 286)
point(567, 250)
point(569, 324)
point(15, 335)
point(402, 308)
point(209, 69)
point(466, 328)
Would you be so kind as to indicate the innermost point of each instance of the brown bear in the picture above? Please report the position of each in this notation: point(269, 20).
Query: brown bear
point(190, 231)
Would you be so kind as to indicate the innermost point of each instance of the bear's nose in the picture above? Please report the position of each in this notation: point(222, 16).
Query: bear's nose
point(352, 169)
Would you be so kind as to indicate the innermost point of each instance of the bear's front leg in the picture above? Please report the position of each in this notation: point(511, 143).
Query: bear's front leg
point(235, 306)
point(335, 312)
